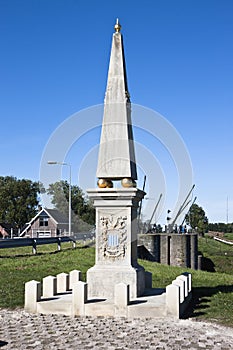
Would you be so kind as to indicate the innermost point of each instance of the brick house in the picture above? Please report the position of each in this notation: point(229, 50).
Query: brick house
point(47, 223)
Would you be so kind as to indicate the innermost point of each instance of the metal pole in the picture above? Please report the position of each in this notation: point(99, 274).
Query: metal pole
point(70, 202)
point(155, 208)
point(183, 206)
point(140, 207)
point(69, 165)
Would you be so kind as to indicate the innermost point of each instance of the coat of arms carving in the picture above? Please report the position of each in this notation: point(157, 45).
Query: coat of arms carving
point(113, 236)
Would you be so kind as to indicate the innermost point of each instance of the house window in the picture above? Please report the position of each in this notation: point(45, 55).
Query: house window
point(43, 234)
point(44, 221)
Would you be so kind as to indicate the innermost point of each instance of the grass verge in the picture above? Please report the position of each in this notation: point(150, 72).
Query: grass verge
point(212, 292)
point(22, 267)
point(217, 256)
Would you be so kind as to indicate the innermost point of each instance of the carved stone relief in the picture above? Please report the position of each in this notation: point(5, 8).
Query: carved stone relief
point(113, 236)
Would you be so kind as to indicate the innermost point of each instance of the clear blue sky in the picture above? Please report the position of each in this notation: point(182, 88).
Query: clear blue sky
point(179, 54)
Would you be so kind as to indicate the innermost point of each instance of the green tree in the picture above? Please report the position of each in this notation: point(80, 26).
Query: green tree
point(197, 218)
point(83, 212)
point(221, 227)
point(19, 200)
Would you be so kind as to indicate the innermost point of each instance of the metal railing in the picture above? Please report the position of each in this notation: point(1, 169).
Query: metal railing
point(34, 242)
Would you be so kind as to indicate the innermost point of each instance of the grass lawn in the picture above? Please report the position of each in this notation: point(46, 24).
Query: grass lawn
point(212, 291)
point(229, 236)
point(18, 266)
point(220, 254)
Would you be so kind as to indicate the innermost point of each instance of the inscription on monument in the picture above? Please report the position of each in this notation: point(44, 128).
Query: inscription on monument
point(113, 236)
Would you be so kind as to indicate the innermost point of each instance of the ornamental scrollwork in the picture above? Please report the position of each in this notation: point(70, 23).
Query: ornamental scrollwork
point(113, 236)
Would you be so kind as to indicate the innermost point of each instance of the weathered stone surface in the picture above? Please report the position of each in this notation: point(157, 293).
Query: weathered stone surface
point(189, 276)
point(171, 248)
point(49, 286)
point(121, 299)
point(186, 284)
point(173, 300)
point(32, 295)
point(116, 243)
point(181, 284)
point(116, 154)
point(62, 282)
point(79, 298)
point(74, 276)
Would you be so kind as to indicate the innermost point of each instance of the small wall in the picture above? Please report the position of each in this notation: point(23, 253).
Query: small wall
point(172, 249)
point(179, 295)
point(65, 294)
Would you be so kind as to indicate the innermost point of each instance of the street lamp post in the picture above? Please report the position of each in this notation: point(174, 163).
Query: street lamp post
point(67, 164)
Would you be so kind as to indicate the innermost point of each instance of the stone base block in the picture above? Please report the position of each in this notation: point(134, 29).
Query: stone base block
point(102, 279)
point(32, 295)
point(79, 298)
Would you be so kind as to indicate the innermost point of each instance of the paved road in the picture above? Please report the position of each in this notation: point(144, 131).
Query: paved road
point(21, 330)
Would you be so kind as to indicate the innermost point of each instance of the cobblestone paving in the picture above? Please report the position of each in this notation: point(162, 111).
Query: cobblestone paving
point(21, 330)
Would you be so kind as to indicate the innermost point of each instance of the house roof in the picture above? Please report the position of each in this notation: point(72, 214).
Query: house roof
point(59, 217)
point(54, 214)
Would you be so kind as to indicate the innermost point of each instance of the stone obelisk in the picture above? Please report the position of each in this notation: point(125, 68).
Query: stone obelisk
point(116, 154)
point(116, 208)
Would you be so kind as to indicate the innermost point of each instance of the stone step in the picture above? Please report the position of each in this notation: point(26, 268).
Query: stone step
point(149, 305)
point(59, 305)
point(145, 306)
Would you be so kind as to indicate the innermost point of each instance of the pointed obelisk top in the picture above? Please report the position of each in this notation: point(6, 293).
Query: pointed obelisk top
point(117, 26)
point(116, 153)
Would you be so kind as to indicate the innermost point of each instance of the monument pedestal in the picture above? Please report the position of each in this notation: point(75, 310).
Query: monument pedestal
point(116, 243)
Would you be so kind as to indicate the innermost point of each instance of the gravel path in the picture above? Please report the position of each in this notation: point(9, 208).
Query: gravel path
point(21, 330)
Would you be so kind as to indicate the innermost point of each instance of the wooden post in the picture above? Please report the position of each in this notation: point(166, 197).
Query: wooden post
point(59, 244)
point(34, 251)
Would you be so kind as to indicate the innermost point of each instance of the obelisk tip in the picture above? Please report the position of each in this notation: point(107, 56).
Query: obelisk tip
point(117, 26)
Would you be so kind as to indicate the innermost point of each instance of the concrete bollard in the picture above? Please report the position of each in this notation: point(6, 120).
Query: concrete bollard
point(185, 279)
point(79, 298)
point(121, 299)
point(62, 282)
point(32, 295)
point(189, 276)
point(173, 300)
point(49, 286)
point(181, 284)
point(74, 276)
